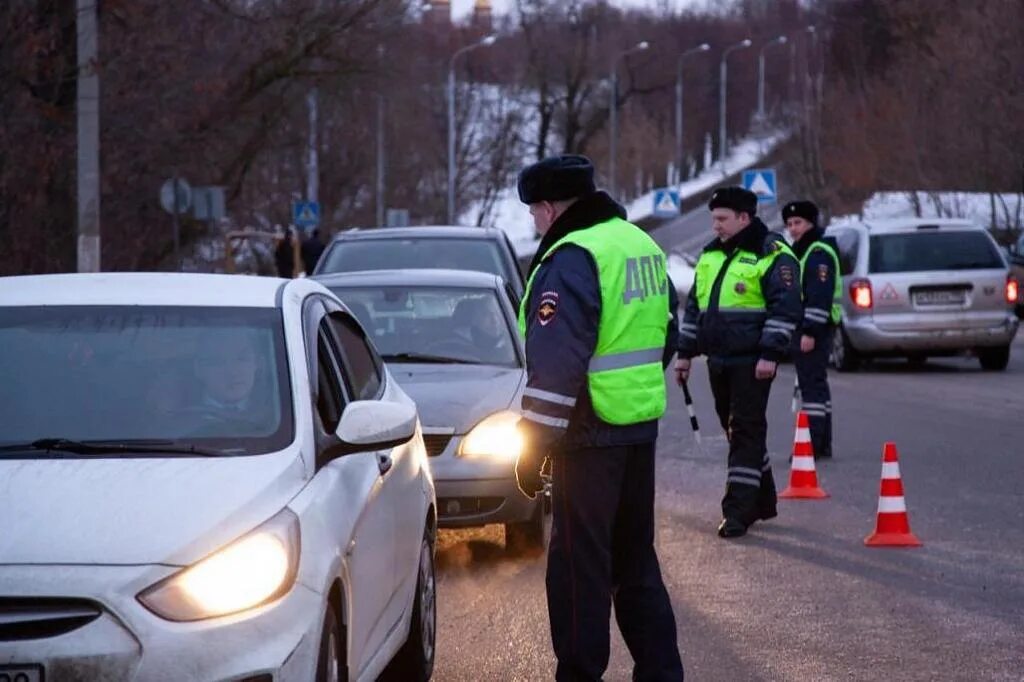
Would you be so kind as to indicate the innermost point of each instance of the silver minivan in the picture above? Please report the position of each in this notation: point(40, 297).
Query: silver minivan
point(920, 287)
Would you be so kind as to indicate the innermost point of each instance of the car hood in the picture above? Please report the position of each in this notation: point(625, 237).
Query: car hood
point(138, 510)
point(459, 396)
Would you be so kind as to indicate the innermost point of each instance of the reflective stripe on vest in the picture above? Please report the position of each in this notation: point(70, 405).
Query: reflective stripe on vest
point(836, 312)
point(625, 377)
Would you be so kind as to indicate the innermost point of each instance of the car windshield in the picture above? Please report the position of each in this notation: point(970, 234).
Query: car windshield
point(434, 324)
point(211, 378)
point(933, 250)
point(354, 255)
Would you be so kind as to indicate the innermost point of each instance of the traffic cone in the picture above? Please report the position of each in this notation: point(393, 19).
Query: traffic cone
point(892, 529)
point(803, 477)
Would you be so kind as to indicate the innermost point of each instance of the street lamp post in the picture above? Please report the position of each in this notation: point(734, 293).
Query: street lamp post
point(614, 111)
point(723, 75)
point(703, 47)
point(488, 40)
point(781, 40)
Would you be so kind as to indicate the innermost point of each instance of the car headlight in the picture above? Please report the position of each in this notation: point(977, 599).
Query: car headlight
point(253, 570)
point(497, 437)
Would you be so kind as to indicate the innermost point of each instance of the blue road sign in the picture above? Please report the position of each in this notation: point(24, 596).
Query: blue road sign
point(306, 213)
point(666, 203)
point(763, 183)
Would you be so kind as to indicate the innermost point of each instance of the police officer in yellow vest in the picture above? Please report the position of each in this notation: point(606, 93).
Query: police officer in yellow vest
point(742, 312)
point(822, 289)
point(598, 319)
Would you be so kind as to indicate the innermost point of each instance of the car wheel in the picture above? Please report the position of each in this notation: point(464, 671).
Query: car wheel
point(532, 535)
point(415, 660)
point(330, 662)
point(843, 356)
point(994, 359)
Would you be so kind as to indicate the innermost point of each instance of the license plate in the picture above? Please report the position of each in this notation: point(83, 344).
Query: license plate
point(954, 297)
point(21, 673)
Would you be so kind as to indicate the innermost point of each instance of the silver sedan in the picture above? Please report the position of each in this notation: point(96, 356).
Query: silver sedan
point(449, 338)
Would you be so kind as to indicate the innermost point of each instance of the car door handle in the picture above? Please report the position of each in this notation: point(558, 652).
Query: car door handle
point(384, 463)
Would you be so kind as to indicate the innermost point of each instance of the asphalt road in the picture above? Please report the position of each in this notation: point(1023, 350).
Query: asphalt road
point(801, 597)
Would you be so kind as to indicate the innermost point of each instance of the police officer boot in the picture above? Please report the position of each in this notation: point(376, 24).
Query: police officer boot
point(731, 528)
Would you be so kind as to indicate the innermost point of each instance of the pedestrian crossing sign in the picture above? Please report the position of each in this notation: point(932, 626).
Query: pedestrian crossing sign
point(763, 183)
point(306, 213)
point(666, 203)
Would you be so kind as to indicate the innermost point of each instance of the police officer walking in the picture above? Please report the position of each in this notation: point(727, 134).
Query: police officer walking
point(742, 312)
point(598, 319)
point(822, 293)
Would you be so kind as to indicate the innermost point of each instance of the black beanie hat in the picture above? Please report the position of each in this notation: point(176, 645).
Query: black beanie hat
point(556, 178)
point(801, 209)
point(735, 198)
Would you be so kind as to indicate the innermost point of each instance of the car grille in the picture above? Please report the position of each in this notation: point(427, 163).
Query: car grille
point(38, 618)
point(436, 443)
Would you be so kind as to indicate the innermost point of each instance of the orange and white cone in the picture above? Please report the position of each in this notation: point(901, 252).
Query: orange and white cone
point(803, 476)
point(892, 529)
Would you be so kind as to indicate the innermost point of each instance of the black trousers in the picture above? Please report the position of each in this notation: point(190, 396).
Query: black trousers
point(602, 551)
point(741, 401)
point(816, 398)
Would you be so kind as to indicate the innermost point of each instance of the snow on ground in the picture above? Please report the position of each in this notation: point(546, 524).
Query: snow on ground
point(975, 206)
point(681, 273)
point(513, 217)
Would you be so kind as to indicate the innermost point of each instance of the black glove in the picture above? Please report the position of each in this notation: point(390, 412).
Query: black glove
point(528, 474)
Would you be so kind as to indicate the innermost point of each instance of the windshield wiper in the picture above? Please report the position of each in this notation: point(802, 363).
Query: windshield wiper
point(424, 357)
point(104, 447)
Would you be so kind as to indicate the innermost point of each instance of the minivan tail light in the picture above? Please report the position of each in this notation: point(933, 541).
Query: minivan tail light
point(1012, 289)
point(860, 292)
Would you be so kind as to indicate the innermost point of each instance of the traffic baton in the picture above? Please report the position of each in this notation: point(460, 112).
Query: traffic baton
point(693, 414)
point(796, 395)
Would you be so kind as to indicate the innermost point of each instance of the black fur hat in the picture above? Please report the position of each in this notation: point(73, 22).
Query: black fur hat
point(736, 198)
point(801, 209)
point(556, 178)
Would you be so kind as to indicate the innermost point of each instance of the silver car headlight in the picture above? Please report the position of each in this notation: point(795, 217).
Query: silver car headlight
point(496, 437)
point(253, 570)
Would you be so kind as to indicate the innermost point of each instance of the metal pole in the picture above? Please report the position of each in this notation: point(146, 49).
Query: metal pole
point(380, 144)
point(313, 167)
point(703, 47)
point(614, 130)
point(613, 146)
point(781, 40)
point(451, 142)
point(174, 218)
point(88, 110)
point(483, 42)
point(380, 159)
point(760, 86)
point(722, 75)
point(679, 122)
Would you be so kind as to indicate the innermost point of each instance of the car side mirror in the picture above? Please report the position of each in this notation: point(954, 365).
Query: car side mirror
point(374, 425)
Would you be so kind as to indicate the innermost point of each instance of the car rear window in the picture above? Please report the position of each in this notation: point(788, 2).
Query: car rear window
point(933, 250)
point(391, 254)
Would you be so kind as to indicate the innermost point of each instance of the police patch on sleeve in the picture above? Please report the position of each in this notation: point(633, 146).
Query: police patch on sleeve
point(823, 272)
point(548, 307)
point(786, 274)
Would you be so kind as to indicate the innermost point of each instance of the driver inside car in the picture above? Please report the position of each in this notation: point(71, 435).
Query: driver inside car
point(226, 366)
point(478, 323)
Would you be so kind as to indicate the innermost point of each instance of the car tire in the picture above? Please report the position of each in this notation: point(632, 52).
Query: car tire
point(843, 356)
point(330, 665)
point(414, 662)
point(994, 359)
point(531, 535)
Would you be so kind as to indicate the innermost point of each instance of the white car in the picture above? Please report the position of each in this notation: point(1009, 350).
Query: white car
point(206, 477)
